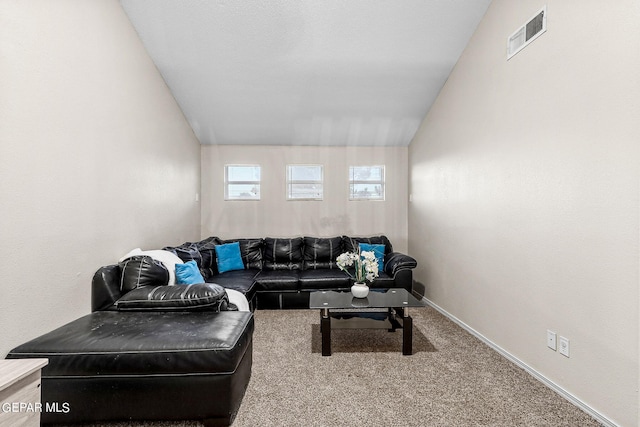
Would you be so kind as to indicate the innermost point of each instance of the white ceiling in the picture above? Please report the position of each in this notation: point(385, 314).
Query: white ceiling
point(305, 72)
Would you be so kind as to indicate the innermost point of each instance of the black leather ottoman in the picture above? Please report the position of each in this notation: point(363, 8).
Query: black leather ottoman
point(110, 366)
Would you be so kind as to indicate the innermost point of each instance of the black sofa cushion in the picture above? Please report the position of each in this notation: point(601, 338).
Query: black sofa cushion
point(208, 263)
point(188, 251)
point(201, 296)
point(351, 244)
point(111, 343)
point(238, 280)
point(383, 281)
point(250, 251)
point(277, 280)
point(142, 270)
point(324, 279)
point(202, 252)
point(283, 254)
point(321, 252)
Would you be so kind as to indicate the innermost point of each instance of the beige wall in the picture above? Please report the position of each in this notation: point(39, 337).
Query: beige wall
point(274, 216)
point(95, 158)
point(525, 183)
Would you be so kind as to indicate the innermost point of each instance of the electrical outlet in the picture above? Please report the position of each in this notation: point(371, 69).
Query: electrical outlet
point(564, 346)
point(551, 340)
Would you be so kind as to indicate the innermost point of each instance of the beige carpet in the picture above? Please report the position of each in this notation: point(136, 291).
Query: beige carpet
point(452, 379)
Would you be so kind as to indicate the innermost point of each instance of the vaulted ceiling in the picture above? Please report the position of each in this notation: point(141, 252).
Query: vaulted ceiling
point(305, 72)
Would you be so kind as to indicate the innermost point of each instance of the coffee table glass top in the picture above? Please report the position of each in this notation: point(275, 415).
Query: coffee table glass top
point(377, 298)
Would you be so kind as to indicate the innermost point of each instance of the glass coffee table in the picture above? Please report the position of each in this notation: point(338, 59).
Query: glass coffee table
point(389, 306)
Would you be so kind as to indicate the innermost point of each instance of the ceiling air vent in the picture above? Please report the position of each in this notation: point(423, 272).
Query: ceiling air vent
point(527, 33)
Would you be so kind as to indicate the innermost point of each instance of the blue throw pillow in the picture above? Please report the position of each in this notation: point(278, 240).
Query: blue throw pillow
point(378, 251)
point(188, 274)
point(228, 257)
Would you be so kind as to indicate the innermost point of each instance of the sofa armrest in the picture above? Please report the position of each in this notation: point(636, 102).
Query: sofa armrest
point(201, 296)
point(105, 287)
point(396, 261)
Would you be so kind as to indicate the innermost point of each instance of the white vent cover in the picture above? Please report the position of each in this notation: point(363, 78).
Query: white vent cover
point(530, 31)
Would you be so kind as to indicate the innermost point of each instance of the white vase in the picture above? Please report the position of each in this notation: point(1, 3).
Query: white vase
point(360, 290)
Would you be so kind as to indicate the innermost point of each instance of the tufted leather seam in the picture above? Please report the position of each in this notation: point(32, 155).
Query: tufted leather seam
point(149, 296)
point(122, 275)
point(315, 254)
point(142, 265)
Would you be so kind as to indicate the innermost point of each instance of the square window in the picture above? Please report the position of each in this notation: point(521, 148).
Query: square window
point(366, 183)
point(242, 182)
point(304, 182)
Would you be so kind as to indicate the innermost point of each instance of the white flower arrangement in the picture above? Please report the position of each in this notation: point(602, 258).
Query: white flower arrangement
point(364, 263)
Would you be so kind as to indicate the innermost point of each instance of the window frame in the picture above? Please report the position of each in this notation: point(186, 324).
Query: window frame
point(290, 182)
point(381, 182)
point(228, 182)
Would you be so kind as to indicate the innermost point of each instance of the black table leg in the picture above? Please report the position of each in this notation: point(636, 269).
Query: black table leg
point(325, 330)
point(407, 333)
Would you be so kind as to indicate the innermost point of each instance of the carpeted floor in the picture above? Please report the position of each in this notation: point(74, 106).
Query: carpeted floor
point(452, 379)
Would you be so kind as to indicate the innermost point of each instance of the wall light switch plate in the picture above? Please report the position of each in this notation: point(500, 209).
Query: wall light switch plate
point(564, 346)
point(551, 340)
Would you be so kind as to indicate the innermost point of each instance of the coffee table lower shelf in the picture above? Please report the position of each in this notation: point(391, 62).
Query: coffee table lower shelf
point(398, 318)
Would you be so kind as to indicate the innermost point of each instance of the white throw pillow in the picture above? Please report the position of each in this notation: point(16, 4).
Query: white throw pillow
point(168, 259)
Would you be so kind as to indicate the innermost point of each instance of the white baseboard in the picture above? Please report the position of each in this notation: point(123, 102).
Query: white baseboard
point(537, 375)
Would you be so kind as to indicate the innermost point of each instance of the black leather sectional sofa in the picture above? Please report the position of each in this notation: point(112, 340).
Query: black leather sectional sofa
point(181, 352)
point(280, 272)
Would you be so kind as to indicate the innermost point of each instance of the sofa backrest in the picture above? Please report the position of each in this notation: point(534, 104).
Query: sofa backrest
point(283, 254)
point(295, 253)
point(251, 251)
point(203, 253)
point(321, 252)
point(351, 244)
